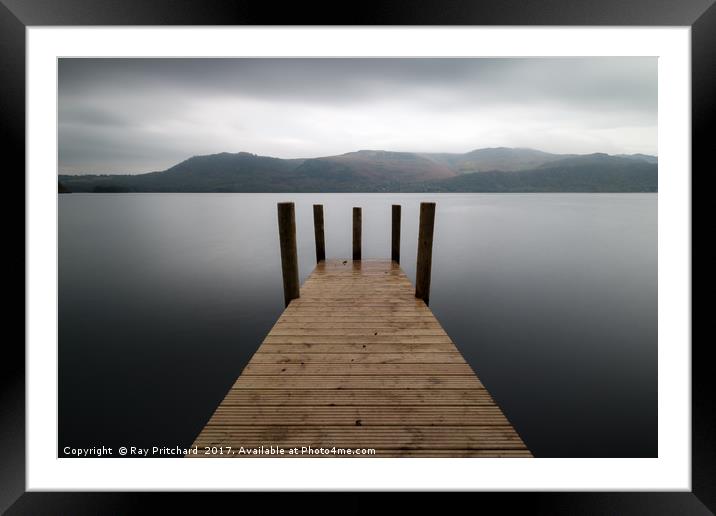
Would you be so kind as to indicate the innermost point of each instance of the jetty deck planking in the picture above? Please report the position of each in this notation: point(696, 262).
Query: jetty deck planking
point(357, 361)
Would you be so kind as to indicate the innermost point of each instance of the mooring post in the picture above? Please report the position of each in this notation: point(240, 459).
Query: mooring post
point(289, 255)
point(395, 234)
point(357, 216)
point(425, 251)
point(318, 232)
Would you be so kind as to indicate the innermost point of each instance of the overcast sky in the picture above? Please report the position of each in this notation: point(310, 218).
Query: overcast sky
point(142, 115)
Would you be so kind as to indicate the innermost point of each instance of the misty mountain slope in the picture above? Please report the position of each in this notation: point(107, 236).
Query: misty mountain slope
point(224, 172)
point(499, 158)
point(377, 168)
point(590, 173)
point(640, 157)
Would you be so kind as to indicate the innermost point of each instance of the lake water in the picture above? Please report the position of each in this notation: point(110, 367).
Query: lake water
point(551, 298)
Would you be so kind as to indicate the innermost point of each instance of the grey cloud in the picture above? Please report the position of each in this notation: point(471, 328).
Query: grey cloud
point(144, 113)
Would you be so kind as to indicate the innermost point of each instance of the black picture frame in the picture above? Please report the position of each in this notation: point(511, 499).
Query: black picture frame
point(17, 15)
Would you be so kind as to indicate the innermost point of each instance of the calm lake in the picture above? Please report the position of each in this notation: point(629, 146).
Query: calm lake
point(551, 298)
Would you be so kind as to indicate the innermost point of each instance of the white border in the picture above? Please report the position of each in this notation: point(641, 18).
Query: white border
point(671, 471)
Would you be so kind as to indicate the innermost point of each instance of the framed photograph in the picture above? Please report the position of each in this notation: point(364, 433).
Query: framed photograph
point(448, 250)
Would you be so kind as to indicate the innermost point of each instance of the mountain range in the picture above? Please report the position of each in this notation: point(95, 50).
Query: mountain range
point(500, 169)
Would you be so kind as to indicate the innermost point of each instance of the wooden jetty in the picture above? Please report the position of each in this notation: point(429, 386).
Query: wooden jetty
point(358, 361)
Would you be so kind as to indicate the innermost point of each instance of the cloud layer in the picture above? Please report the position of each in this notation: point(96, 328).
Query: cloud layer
point(140, 115)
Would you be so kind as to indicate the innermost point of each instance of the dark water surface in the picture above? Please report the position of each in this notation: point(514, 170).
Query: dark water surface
point(551, 298)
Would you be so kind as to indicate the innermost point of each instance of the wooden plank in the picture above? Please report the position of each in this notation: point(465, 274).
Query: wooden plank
point(302, 307)
point(414, 348)
point(357, 382)
point(354, 325)
point(352, 369)
point(352, 436)
point(358, 339)
point(369, 303)
point(358, 361)
point(353, 397)
point(482, 415)
point(350, 317)
point(341, 454)
point(357, 311)
point(449, 357)
point(356, 332)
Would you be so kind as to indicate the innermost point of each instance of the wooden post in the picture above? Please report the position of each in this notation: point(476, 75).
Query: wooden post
point(289, 255)
point(425, 251)
point(318, 232)
point(395, 235)
point(357, 233)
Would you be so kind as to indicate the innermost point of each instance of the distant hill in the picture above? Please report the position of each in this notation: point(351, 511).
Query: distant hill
point(589, 173)
point(225, 172)
point(505, 159)
point(368, 170)
point(640, 157)
point(489, 170)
